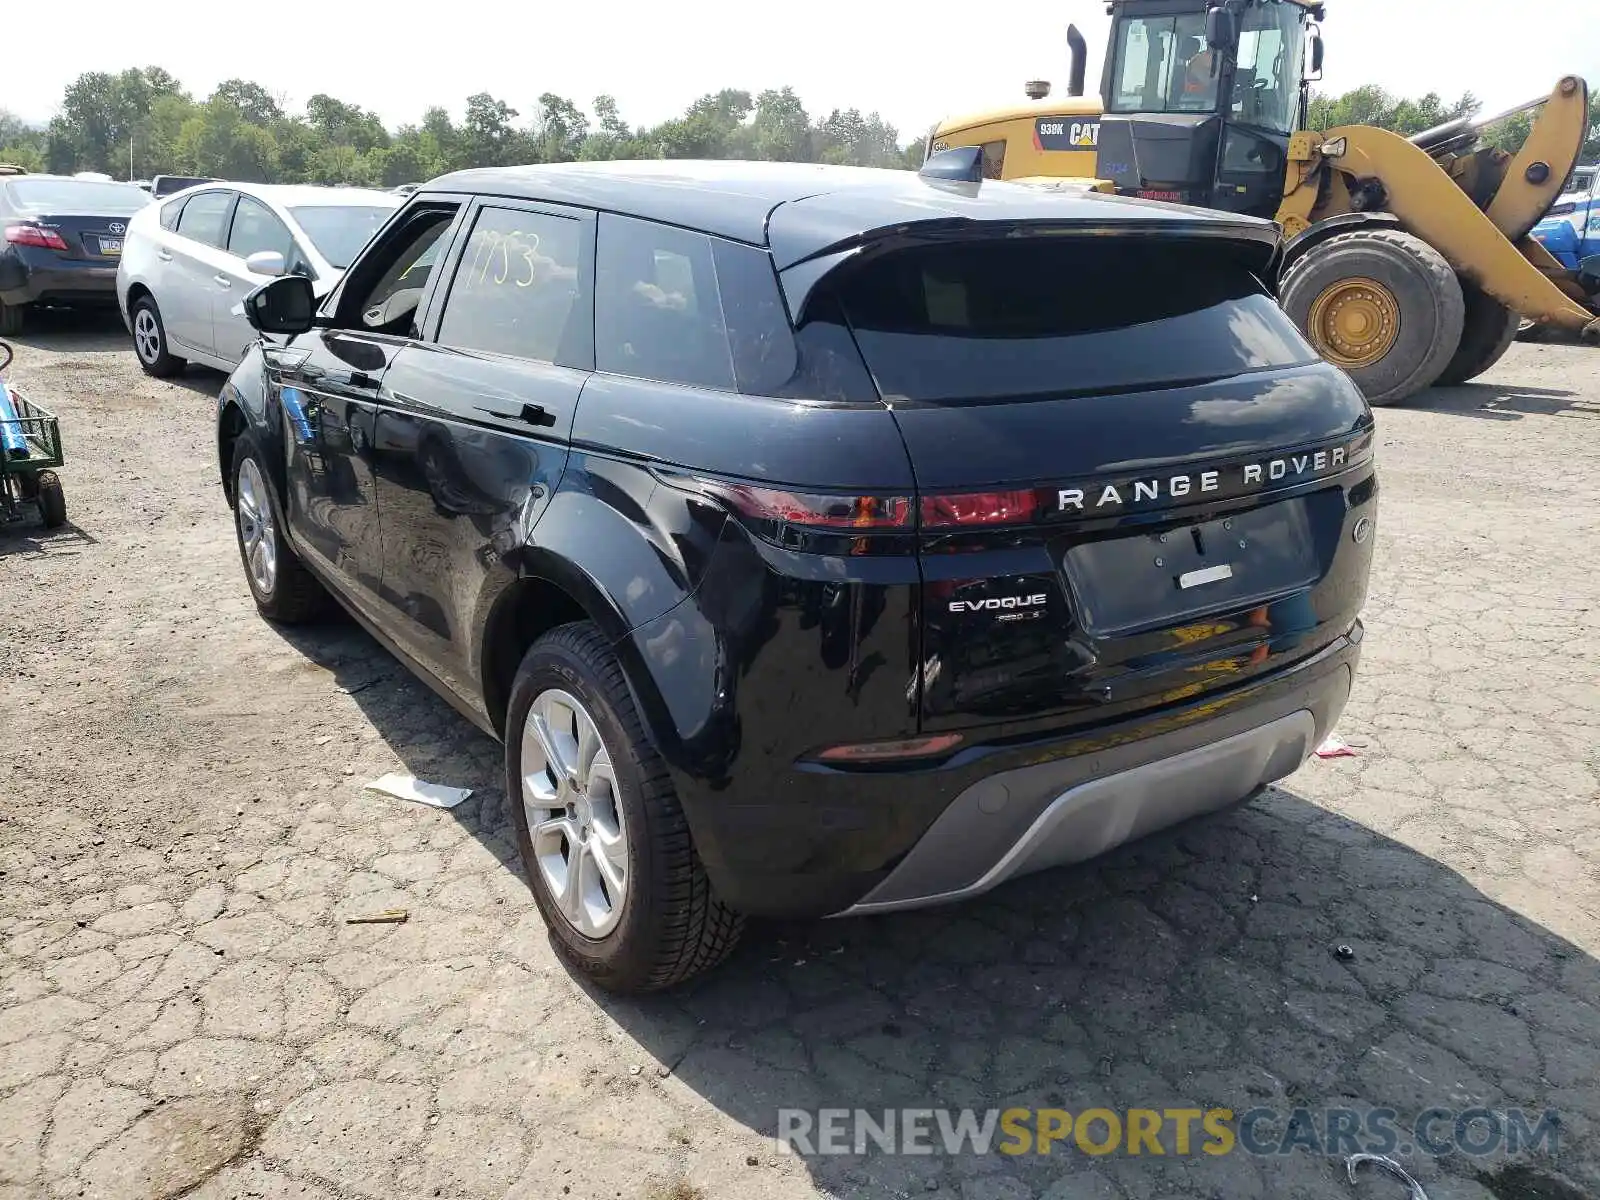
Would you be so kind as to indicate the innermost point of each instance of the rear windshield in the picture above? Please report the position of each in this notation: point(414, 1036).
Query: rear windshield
point(339, 231)
point(1005, 320)
point(89, 197)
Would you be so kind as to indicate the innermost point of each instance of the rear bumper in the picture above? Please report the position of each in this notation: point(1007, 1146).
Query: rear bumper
point(999, 812)
point(22, 282)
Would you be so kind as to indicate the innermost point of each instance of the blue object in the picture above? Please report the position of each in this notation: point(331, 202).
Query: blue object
point(11, 439)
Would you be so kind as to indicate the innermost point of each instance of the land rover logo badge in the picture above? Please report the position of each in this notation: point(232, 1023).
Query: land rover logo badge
point(1363, 530)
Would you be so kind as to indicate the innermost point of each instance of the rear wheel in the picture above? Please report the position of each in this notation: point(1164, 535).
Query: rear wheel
point(1381, 304)
point(604, 841)
point(1486, 334)
point(10, 319)
point(52, 500)
point(150, 340)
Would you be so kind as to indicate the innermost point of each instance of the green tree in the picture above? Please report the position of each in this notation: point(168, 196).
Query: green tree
point(560, 129)
point(780, 131)
point(100, 113)
point(488, 136)
point(252, 100)
point(712, 128)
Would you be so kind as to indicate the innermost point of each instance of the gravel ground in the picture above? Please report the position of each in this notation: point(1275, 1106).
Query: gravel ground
point(182, 835)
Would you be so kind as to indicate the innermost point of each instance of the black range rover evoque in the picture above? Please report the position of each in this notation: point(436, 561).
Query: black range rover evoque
point(816, 540)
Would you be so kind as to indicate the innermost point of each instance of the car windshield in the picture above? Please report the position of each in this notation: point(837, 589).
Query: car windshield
point(77, 195)
point(338, 231)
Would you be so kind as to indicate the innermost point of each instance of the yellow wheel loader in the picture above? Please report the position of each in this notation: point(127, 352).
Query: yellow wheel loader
point(1407, 261)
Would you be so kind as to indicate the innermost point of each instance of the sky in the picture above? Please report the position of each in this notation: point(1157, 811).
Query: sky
point(912, 64)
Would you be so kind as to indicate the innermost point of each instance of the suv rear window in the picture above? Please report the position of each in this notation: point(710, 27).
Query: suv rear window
point(1005, 320)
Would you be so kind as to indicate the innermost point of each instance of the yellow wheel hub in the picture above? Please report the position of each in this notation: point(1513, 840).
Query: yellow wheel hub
point(1355, 322)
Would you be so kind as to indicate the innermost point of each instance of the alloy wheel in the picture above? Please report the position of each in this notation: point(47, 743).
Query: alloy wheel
point(574, 812)
point(146, 335)
point(258, 533)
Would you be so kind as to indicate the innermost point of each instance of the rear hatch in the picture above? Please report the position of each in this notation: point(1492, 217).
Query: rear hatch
point(1136, 482)
point(79, 219)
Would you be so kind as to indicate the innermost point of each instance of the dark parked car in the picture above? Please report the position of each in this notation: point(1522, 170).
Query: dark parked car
point(817, 540)
point(63, 238)
point(167, 185)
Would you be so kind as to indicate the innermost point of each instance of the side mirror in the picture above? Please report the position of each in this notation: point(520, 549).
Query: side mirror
point(1316, 56)
point(265, 262)
point(1222, 30)
point(285, 305)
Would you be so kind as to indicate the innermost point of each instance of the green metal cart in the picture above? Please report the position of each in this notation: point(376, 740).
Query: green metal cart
point(30, 450)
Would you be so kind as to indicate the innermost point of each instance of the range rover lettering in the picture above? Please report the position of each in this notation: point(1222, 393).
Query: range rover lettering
point(816, 540)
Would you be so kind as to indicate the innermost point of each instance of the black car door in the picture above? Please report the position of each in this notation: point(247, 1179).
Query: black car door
point(474, 422)
point(327, 382)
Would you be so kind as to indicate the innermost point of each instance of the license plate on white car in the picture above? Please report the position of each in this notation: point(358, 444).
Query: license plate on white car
point(110, 245)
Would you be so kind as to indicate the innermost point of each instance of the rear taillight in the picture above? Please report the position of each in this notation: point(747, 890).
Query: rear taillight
point(966, 510)
point(812, 510)
point(34, 235)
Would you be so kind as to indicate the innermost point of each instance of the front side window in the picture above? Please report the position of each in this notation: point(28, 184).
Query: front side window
point(1163, 65)
point(255, 228)
point(658, 311)
point(205, 218)
point(518, 285)
point(392, 280)
point(1266, 78)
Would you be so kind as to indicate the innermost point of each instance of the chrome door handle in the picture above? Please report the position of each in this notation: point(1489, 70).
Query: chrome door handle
point(164, 255)
point(223, 280)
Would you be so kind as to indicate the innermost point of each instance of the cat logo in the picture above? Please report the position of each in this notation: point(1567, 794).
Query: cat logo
point(1060, 133)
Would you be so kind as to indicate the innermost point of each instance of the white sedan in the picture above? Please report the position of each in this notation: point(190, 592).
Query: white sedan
point(189, 260)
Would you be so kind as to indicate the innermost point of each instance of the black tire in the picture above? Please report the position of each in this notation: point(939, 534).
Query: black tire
point(10, 319)
point(295, 596)
point(162, 363)
point(672, 927)
point(1426, 292)
point(1486, 334)
point(52, 500)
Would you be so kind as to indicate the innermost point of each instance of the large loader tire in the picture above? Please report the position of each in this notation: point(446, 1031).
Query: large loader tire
point(1382, 304)
point(1486, 335)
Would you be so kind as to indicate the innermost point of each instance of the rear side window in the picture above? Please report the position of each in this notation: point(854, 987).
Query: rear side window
point(1036, 317)
point(658, 312)
point(683, 307)
point(205, 218)
point(518, 287)
point(171, 212)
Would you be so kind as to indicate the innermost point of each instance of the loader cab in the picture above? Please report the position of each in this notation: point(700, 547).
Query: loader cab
point(1200, 98)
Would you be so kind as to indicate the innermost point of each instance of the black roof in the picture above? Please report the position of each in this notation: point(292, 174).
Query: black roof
point(801, 209)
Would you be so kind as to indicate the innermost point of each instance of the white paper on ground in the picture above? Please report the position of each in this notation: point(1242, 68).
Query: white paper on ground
point(1334, 746)
point(409, 787)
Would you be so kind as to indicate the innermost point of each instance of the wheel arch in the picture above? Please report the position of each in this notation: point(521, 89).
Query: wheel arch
point(1306, 239)
point(551, 590)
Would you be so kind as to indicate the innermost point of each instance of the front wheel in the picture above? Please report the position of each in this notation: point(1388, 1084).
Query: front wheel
point(1382, 304)
point(603, 838)
point(284, 590)
point(150, 340)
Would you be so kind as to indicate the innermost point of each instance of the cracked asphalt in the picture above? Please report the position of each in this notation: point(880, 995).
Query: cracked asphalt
point(185, 1011)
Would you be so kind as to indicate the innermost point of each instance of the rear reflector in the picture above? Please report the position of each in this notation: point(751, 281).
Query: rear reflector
point(34, 235)
point(866, 752)
point(814, 510)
